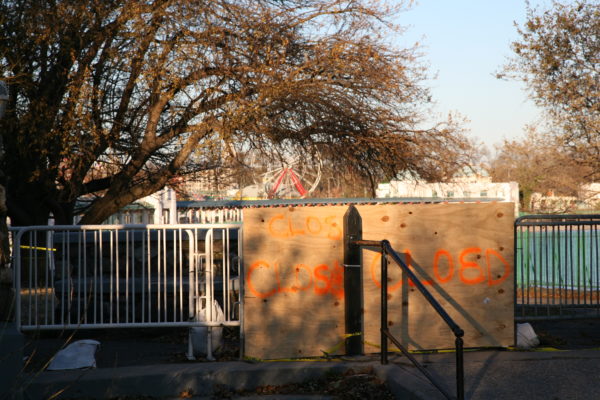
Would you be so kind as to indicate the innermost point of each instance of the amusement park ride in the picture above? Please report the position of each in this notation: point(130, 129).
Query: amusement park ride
point(293, 178)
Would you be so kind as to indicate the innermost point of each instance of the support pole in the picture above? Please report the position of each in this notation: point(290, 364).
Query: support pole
point(353, 293)
point(384, 306)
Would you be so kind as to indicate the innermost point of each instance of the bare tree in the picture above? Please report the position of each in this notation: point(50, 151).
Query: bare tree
point(558, 57)
point(111, 98)
point(538, 164)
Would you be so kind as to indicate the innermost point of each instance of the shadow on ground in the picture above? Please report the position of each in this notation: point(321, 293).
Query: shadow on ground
point(124, 347)
point(569, 334)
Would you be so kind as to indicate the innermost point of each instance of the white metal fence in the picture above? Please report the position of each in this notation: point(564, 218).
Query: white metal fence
point(194, 215)
point(210, 215)
point(557, 266)
point(103, 276)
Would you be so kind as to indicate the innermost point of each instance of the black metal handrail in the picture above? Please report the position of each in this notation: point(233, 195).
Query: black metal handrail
point(387, 249)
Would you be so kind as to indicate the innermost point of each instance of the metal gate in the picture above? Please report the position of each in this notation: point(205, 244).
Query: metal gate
point(557, 267)
point(118, 276)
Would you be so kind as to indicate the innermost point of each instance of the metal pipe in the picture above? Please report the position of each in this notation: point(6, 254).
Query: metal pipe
point(386, 249)
point(436, 306)
point(191, 324)
point(384, 306)
point(368, 243)
point(416, 363)
point(17, 274)
point(242, 278)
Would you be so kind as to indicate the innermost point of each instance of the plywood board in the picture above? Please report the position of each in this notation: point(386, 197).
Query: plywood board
point(463, 253)
point(294, 285)
point(294, 298)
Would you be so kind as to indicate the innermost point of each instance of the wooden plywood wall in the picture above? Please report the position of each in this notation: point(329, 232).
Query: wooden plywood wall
point(294, 281)
point(294, 298)
point(463, 253)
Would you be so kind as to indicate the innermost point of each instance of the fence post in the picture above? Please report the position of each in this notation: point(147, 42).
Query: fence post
point(353, 292)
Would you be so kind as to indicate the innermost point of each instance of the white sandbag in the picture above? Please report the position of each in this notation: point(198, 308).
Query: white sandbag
point(79, 354)
point(526, 337)
point(199, 336)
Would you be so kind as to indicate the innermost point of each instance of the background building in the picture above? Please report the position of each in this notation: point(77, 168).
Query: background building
point(468, 184)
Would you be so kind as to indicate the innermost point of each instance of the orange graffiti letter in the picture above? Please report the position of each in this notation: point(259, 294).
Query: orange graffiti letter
point(253, 290)
point(297, 285)
point(292, 231)
point(374, 264)
point(335, 233)
point(507, 268)
point(337, 280)
point(319, 277)
point(465, 265)
point(280, 289)
point(313, 225)
point(436, 265)
point(277, 233)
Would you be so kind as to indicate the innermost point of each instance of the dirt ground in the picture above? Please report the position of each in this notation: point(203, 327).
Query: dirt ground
point(360, 384)
point(354, 384)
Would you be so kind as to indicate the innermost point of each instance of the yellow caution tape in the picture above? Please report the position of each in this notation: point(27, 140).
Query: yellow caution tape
point(37, 248)
point(537, 349)
point(326, 354)
point(327, 358)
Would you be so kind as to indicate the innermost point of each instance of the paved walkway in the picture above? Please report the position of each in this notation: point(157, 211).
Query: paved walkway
point(563, 375)
point(571, 373)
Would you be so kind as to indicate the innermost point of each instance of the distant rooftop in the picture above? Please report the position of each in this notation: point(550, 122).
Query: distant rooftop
point(326, 202)
point(465, 172)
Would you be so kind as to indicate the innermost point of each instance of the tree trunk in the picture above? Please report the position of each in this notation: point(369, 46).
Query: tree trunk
point(100, 212)
point(28, 207)
point(4, 244)
point(114, 200)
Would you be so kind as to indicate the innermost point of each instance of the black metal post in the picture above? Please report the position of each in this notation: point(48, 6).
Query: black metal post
point(460, 370)
point(384, 306)
point(353, 282)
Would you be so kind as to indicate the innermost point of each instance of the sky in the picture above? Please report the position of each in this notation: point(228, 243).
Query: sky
point(465, 42)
